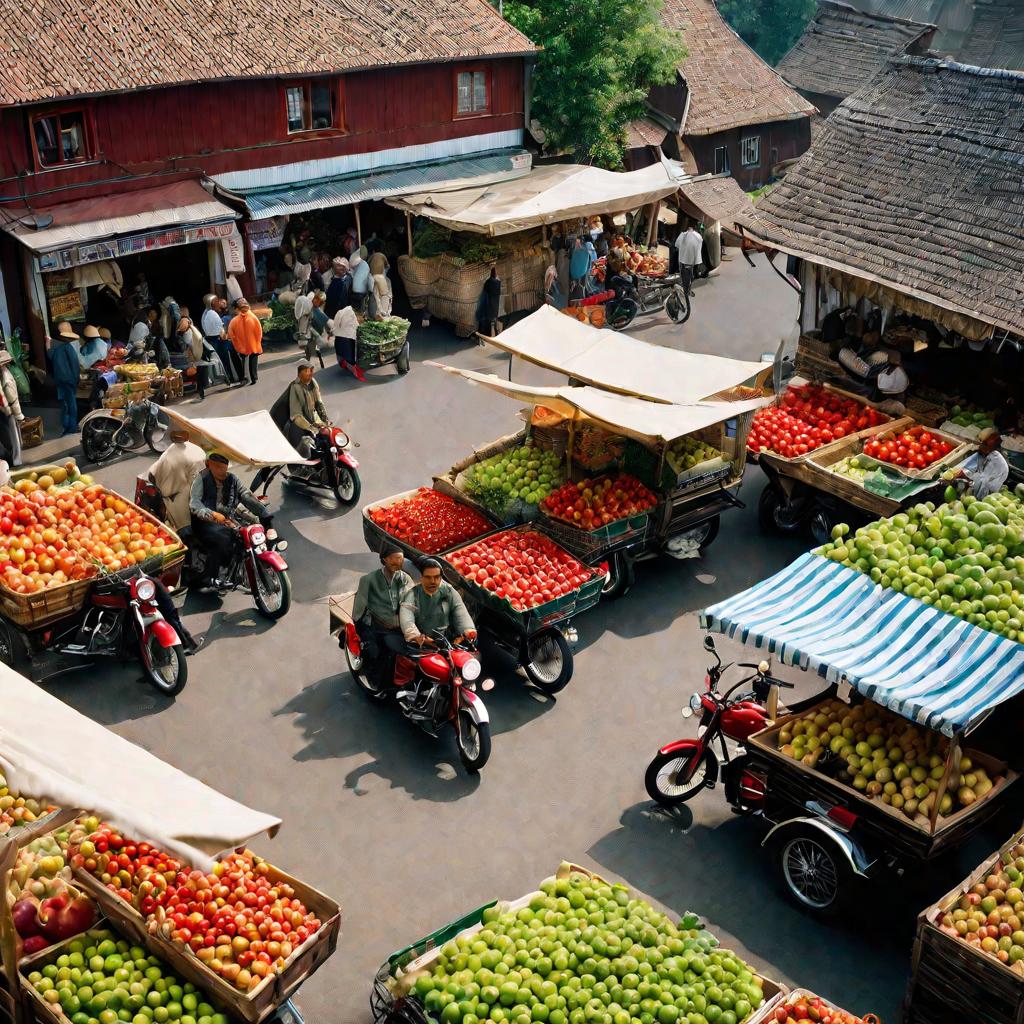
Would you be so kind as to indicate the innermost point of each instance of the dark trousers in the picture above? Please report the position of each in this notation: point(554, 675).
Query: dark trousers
point(345, 350)
point(250, 363)
point(66, 395)
point(686, 274)
point(380, 647)
point(228, 357)
point(165, 603)
point(218, 541)
point(201, 378)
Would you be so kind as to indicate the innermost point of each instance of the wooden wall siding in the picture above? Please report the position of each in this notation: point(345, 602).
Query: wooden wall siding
point(214, 128)
point(790, 138)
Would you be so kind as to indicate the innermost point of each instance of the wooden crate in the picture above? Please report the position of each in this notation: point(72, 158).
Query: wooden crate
point(250, 1007)
point(766, 1014)
point(31, 428)
point(952, 981)
point(957, 454)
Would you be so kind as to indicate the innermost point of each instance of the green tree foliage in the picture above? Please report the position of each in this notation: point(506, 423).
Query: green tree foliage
point(600, 59)
point(769, 27)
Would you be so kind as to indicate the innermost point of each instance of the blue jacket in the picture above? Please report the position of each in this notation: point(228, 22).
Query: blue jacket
point(64, 358)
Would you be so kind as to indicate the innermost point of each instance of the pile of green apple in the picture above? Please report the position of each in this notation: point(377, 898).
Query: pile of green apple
point(526, 473)
point(852, 467)
point(885, 757)
point(101, 979)
point(687, 452)
point(965, 557)
point(583, 950)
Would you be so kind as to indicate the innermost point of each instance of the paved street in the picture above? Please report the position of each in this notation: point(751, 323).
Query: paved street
point(383, 817)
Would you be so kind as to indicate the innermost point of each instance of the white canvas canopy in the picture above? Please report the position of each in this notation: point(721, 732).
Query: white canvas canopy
point(650, 422)
point(544, 196)
point(617, 362)
point(47, 749)
point(252, 438)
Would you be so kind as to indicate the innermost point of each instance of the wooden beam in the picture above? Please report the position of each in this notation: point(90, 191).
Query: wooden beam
point(359, 226)
point(408, 231)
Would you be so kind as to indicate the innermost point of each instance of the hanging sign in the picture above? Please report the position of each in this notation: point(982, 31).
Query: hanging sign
point(234, 253)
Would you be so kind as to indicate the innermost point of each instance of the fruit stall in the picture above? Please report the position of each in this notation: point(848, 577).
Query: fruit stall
point(120, 904)
point(883, 772)
point(969, 947)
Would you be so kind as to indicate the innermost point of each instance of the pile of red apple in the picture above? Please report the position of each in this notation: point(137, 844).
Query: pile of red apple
point(41, 923)
point(430, 521)
point(806, 418)
point(524, 567)
point(916, 448)
point(801, 1007)
point(52, 537)
point(597, 502)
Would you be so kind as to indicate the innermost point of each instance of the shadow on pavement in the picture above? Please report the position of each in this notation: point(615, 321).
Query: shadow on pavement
point(109, 693)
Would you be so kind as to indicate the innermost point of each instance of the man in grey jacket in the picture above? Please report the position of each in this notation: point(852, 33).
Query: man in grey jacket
point(433, 605)
point(375, 612)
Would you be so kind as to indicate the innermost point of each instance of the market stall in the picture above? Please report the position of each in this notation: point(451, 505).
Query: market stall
point(448, 263)
point(86, 864)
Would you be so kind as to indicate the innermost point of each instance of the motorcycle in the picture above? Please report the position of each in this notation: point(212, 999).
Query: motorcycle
point(432, 688)
point(105, 432)
point(634, 297)
point(331, 467)
point(256, 566)
point(681, 769)
point(120, 619)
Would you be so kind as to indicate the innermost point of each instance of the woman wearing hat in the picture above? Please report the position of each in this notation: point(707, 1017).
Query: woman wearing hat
point(65, 364)
point(94, 349)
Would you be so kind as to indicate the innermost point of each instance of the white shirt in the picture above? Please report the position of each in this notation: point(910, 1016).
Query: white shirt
point(689, 244)
point(174, 472)
point(987, 473)
point(139, 333)
point(893, 381)
point(211, 324)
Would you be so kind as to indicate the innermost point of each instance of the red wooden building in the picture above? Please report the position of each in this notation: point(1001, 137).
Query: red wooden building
point(174, 140)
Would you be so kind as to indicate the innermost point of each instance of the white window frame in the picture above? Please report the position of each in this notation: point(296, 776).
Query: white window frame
point(725, 168)
point(478, 82)
point(750, 151)
point(304, 91)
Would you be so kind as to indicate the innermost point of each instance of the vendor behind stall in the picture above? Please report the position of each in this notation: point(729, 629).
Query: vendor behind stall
point(986, 470)
point(892, 384)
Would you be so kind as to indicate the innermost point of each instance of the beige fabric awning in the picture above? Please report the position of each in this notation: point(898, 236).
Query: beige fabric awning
point(643, 420)
point(544, 196)
point(252, 439)
point(617, 362)
point(47, 749)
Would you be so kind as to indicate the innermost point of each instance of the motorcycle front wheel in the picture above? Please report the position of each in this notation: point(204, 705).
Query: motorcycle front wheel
point(273, 591)
point(97, 439)
point(357, 669)
point(348, 487)
point(156, 436)
point(673, 778)
point(474, 740)
point(165, 667)
point(678, 306)
point(548, 661)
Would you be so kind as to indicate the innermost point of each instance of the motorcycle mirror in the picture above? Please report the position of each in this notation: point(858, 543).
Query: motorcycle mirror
point(709, 643)
point(487, 685)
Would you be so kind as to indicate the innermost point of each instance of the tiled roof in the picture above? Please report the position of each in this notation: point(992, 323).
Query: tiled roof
point(730, 86)
point(55, 48)
point(915, 183)
point(718, 198)
point(842, 48)
point(644, 133)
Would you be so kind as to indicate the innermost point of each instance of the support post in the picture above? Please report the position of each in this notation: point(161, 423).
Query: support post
point(954, 755)
point(359, 226)
point(408, 231)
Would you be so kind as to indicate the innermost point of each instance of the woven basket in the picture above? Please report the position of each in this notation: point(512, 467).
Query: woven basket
point(31, 431)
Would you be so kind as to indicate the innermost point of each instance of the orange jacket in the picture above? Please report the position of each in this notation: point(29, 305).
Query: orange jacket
point(246, 333)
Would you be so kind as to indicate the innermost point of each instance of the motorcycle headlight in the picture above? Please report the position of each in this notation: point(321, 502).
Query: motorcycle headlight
point(695, 703)
point(145, 590)
point(471, 670)
point(271, 534)
point(258, 537)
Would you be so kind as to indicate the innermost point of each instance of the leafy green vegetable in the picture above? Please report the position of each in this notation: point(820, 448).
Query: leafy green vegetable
point(382, 332)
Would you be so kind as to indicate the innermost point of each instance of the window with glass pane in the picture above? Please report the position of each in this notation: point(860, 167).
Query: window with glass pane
point(47, 129)
point(321, 106)
point(721, 160)
point(60, 138)
point(295, 99)
point(465, 101)
point(750, 151)
point(471, 93)
point(479, 91)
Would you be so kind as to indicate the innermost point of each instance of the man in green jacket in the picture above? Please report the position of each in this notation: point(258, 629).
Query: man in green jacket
point(375, 612)
point(434, 605)
point(306, 410)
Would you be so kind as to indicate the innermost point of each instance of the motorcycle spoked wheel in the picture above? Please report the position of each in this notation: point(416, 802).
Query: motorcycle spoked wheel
point(273, 591)
point(348, 486)
point(166, 668)
point(357, 669)
point(673, 778)
point(678, 306)
point(97, 439)
point(474, 741)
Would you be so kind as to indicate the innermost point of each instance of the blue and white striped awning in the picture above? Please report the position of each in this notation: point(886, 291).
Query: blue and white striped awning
point(922, 663)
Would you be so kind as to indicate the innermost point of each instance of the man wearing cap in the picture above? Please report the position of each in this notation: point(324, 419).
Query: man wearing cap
point(94, 350)
point(306, 411)
point(213, 500)
point(246, 334)
point(66, 368)
point(375, 611)
point(986, 470)
point(173, 474)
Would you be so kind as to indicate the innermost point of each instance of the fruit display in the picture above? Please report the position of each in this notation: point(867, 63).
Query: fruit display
point(18, 810)
point(525, 473)
point(967, 422)
point(806, 418)
point(583, 950)
point(804, 1006)
point(40, 869)
point(685, 453)
point(100, 978)
point(239, 919)
point(596, 449)
point(916, 448)
point(885, 757)
point(599, 501)
point(40, 923)
point(965, 557)
point(852, 467)
point(430, 521)
point(524, 567)
point(990, 915)
point(52, 536)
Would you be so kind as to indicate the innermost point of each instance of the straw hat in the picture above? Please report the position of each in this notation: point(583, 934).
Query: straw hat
point(65, 330)
point(90, 332)
point(105, 333)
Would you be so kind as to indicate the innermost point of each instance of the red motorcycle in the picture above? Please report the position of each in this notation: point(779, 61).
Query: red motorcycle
point(433, 688)
point(121, 619)
point(681, 769)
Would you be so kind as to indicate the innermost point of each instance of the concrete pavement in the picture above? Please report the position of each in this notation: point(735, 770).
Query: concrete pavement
point(383, 817)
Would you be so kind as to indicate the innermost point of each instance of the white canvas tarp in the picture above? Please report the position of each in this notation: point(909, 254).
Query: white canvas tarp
point(47, 749)
point(544, 196)
point(651, 422)
point(252, 439)
point(617, 362)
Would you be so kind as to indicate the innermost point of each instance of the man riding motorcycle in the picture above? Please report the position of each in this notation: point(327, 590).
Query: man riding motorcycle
point(375, 613)
point(213, 502)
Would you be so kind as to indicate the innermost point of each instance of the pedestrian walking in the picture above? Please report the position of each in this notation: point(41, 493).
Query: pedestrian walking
point(361, 283)
point(213, 331)
point(690, 246)
point(246, 334)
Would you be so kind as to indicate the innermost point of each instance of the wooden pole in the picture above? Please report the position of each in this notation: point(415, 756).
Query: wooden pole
point(359, 226)
point(408, 230)
point(954, 755)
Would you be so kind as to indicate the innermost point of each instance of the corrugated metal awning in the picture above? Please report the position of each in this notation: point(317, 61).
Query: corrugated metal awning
point(182, 204)
point(482, 169)
point(922, 663)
